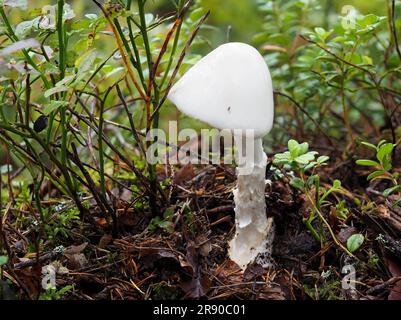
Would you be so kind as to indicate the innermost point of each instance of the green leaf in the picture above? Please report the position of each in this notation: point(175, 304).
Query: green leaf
point(375, 174)
point(168, 213)
point(297, 183)
point(304, 147)
point(369, 145)
point(280, 162)
point(367, 60)
point(64, 290)
point(391, 190)
point(323, 159)
point(381, 143)
point(322, 34)
point(61, 86)
point(368, 163)
point(282, 158)
point(55, 90)
point(387, 163)
point(86, 62)
point(306, 158)
point(285, 155)
point(311, 180)
point(3, 260)
point(369, 20)
point(384, 151)
point(337, 184)
point(294, 148)
point(354, 242)
point(196, 14)
point(167, 225)
point(311, 165)
point(24, 28)
point(398, 202)
point(54, 105)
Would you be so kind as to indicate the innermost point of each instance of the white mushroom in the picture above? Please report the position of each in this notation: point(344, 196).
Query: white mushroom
point(231, 88)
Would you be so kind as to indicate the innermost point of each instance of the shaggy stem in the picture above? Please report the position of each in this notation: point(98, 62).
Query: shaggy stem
point(254, 231)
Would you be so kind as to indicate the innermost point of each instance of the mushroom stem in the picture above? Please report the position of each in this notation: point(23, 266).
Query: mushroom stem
point(254, 231)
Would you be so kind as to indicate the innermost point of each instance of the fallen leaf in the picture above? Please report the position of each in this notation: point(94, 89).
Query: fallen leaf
point(204, 245)
point(253, 272)
point(150, 256)
point(196, 288)
point(105, 240)
point(395, 270)
point(345, 233)
point(192, 257)
point(76, 261)
point(128, 218)
point(76, 249)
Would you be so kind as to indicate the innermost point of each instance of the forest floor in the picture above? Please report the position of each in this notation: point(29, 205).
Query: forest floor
point(184, 253)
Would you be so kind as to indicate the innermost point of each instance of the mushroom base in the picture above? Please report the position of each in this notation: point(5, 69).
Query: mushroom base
point(254, 233)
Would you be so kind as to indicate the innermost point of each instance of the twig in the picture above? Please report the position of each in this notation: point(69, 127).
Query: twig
point(382, 286)
point(304, 112)
point(394, 29)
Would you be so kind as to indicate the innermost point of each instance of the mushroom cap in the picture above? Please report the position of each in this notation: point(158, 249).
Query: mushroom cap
point(230, 88)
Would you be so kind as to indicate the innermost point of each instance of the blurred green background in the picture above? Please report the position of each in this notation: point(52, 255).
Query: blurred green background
point(234, 20)
point(229, 20)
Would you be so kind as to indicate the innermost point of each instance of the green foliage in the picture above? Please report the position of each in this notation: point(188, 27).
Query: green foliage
point(164, 223)
point(70, 79)
point(59, 223)
point(383, 155)
point(383, 168)
point(342, 211)
point(355, 241)
point(327, 63)
point(55, 294)
point(323, 287)
point(374, 260)
point(3, 260)
point(299, 160)
point(298, 157)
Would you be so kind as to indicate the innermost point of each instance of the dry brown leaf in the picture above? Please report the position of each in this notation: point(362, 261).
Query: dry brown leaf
point(76, 249)
point(197, 287)
point(186, 173)
point(395, 270)
point(105, 240)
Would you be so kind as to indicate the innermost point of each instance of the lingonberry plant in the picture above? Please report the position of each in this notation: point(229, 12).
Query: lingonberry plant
point(383, 168)
point(85, 84)
point(301, 166)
